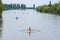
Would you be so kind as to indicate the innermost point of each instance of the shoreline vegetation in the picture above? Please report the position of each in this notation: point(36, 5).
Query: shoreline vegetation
point(50, 8)
point(1, 8)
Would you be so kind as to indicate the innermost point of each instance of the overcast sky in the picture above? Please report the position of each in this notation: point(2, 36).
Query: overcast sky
point(29, 2)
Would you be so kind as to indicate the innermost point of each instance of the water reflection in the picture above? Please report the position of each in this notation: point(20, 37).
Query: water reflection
point(29, 33)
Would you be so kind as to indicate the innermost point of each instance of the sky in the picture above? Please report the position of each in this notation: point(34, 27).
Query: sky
point(29, 2)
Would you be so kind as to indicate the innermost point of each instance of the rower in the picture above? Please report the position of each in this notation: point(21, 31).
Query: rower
point(29, 29)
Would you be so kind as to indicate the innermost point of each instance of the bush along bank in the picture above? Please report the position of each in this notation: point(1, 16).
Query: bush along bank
point(1, 8)
point(54, 9)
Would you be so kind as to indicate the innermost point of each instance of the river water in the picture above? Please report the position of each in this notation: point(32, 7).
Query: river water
point(16, 20)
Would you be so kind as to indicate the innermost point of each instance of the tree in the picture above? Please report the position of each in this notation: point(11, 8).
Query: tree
point(0, 8)
point(38, 8)
point(58, 9)
point(54, 7)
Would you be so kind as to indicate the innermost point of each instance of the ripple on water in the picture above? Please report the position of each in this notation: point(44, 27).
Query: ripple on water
point(32, 31)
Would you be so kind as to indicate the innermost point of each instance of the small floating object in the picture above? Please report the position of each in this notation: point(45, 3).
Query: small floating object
point(16, 17)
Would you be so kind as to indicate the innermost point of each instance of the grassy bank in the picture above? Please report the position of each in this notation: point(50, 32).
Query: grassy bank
point(50, 8)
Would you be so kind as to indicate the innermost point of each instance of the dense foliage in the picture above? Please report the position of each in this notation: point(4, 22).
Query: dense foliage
point(0, 8)
point(55, 8)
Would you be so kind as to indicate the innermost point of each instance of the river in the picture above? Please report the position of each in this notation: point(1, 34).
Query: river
point(16, 20)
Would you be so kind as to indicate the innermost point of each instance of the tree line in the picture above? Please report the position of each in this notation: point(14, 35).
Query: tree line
point(50, 8)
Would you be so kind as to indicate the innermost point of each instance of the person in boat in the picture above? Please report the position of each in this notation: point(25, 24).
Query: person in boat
point(29, 28)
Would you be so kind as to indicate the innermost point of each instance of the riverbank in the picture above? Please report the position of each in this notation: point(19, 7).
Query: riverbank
point(0, 33)
point(0, 24)
point(0, 28)
point(50, 8)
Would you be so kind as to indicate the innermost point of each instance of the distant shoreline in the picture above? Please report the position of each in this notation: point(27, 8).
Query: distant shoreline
point(50, 8)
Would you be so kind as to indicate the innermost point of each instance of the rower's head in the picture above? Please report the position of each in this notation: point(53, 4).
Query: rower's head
point(29, 27)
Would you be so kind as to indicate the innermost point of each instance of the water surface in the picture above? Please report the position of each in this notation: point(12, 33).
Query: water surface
point(16, 20)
